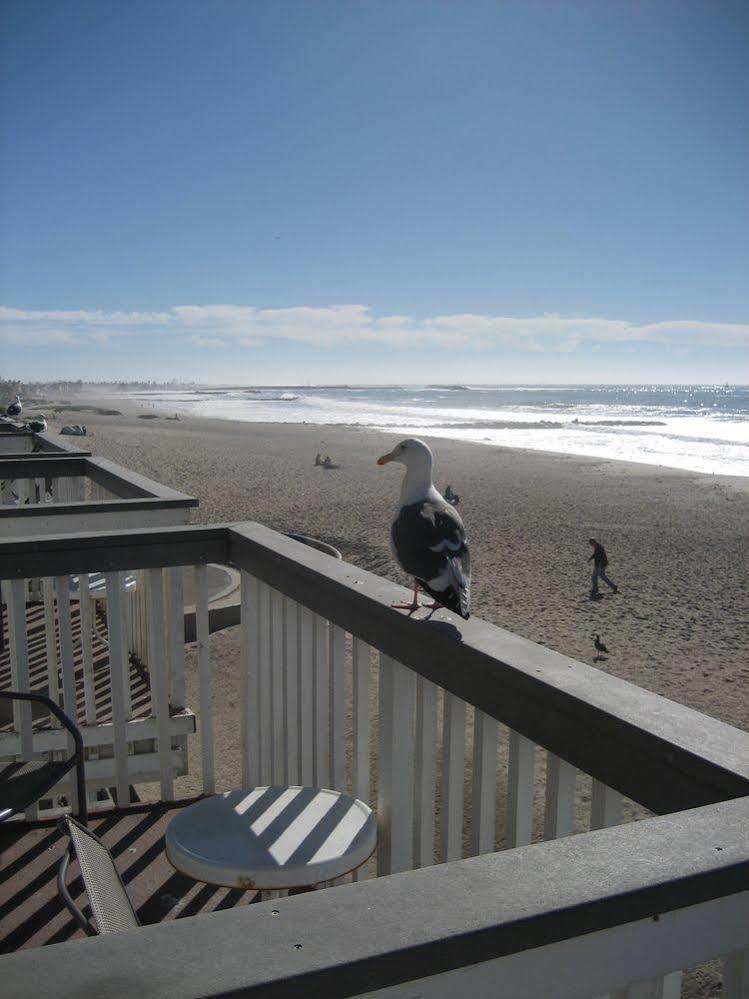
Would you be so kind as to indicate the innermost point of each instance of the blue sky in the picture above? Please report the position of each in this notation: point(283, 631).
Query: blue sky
point(277, 191)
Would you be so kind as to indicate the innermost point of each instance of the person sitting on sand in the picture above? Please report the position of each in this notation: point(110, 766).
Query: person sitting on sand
point(318, 459)
point(327, 463)
point(600, 561)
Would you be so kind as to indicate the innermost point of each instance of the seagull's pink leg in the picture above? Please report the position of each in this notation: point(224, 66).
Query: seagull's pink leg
point(412, 606)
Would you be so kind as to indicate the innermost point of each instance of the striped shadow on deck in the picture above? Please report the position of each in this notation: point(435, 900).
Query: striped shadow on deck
point(31, 911)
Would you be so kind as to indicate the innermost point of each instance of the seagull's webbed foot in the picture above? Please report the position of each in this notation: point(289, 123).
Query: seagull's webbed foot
point(413, 606)
point(409, 607)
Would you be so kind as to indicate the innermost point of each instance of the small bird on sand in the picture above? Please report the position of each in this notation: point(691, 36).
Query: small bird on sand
point(15, 408)
point(38, 426)
point(427, 536)
point(600, 647)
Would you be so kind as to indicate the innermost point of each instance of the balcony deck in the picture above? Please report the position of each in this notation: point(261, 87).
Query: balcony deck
point(31, 911)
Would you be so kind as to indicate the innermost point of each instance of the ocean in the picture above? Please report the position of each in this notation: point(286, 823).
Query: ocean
point(700, 428)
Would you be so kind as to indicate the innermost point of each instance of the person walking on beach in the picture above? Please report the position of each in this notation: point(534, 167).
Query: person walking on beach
point(600, 561)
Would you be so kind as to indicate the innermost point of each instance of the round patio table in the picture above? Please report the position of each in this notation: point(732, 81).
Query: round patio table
point(270, 838)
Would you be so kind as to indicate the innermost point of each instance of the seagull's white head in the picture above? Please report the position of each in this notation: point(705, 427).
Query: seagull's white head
point(417, 459)
point(412, 453)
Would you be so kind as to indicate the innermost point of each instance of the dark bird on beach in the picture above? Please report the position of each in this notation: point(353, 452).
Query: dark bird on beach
point(427, 536)
point(600, 647)
point(15, 408)
point(38, 426)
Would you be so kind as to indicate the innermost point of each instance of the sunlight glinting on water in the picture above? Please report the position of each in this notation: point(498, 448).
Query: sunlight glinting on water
point(694, 428)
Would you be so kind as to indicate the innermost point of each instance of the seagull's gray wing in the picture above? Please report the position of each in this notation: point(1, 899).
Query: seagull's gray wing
point(430, 544)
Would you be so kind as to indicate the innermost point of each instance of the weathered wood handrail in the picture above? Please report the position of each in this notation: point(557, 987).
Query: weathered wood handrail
point(37, 445)
point(123, 483)
point(660, 753)
point(578, 916)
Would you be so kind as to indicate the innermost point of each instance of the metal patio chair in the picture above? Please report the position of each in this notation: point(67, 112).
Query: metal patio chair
point(110, 906)
point(26, 782)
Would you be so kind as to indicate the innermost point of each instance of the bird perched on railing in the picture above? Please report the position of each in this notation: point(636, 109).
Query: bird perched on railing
point(427, 536)
point(38, 426)
point(599, 646)
point(15, 408)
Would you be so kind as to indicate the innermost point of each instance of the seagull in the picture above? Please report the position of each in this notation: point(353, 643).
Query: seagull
point(38, 426)
point(600, 647)
point(15, 408)
point(427, 536)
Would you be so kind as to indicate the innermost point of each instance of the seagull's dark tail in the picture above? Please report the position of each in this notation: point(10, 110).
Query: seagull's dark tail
point(453, 600)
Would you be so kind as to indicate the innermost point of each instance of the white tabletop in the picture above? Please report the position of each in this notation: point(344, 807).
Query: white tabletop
point(271, 837)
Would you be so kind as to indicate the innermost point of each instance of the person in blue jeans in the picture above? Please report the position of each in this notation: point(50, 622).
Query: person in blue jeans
point(600, 561)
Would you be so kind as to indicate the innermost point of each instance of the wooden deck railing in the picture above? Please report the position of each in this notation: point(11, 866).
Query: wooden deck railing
point(17, 443)
point(339, 689)
point(47, 494)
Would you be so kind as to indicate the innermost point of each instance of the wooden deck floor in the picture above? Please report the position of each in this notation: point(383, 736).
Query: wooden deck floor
point(31, 912)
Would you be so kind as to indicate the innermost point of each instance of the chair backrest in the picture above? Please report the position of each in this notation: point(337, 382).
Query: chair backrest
point(110, 905)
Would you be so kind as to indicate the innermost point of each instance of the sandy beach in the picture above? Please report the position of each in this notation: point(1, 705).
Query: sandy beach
point(678, 542)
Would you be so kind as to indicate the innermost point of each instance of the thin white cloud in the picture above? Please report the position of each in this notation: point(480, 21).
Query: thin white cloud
point(247, 326)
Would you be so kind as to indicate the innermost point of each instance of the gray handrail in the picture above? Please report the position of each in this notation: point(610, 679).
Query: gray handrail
point(347, 941)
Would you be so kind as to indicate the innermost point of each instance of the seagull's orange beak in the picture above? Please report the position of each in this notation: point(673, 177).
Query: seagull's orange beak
point(385, 459)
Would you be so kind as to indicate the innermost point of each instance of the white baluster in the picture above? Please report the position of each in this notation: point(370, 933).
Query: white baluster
point(453, 767)
point(306, 694)
point(78, 489)
point(176, 633)
point(264, 672)
point(322, 703)
point(425, 774)
point(520, 790)
point(50, 644)
point(291, 690)
point(204, 673)
point(119, 677)
point(484, 786)
point(361, 666)
point(250, 680)
point(605, 806)
point(86, 610)
point(395, 795)
point(337, 707)
point(560, 797)
point(277, 688)
point(158, 669)
point(15, 590)
point(67, 662)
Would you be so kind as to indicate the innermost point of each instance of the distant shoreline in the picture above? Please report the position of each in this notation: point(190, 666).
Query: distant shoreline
point(576, 437)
